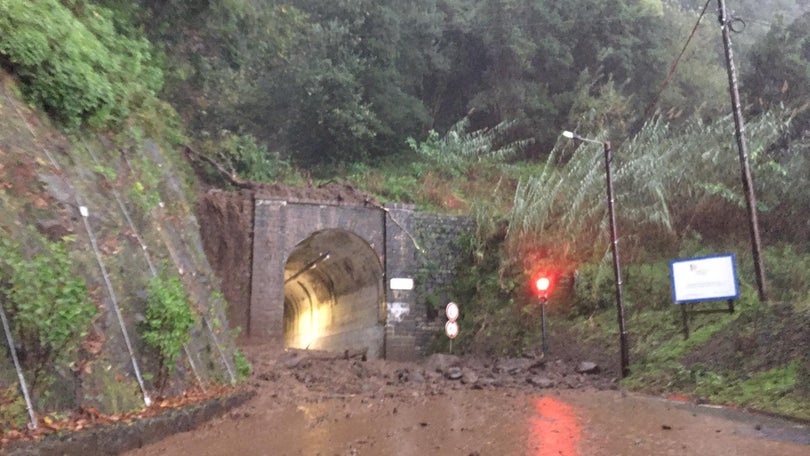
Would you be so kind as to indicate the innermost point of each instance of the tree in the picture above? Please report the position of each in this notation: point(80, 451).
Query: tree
point(779, 73)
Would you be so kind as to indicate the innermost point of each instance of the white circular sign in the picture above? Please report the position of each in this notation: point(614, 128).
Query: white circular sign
point(451, 329)
point(451, 311)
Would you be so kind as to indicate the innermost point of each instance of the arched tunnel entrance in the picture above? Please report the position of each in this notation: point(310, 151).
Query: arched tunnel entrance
point(334, 295)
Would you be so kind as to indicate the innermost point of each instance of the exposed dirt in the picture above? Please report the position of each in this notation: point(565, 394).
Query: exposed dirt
point(317, 403)
point(331, 192)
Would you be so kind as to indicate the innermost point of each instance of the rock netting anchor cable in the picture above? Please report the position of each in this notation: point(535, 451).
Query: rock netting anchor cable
point(144, 250)
point(175, 187)
point(111, 293)
point(32, 423)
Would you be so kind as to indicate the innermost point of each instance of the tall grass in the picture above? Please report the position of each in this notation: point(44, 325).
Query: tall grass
point(663, 179)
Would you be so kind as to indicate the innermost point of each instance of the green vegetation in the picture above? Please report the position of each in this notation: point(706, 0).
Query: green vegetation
point(168, 322)
point(145, 190)
point(49, 308)
point(243, 366)
point(13, 414)
point(74, 61)
point(241, 156)
point(452, 105)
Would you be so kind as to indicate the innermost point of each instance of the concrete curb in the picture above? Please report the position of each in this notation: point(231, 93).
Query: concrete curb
point(121, 437)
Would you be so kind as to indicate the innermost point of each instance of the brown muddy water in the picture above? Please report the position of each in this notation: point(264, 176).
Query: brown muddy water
point(339, 407)
point(475, 422)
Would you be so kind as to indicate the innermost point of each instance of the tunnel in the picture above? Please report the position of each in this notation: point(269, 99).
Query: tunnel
point(334, 296)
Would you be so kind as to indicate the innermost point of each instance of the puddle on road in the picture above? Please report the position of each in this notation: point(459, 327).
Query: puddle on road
point(473, 422)
point(459, 422)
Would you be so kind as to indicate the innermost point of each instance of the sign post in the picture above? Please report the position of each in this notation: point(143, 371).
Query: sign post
point(451, 327)
point(708, 278)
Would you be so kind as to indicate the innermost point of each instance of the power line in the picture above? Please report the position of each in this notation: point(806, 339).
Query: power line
point(675, 64)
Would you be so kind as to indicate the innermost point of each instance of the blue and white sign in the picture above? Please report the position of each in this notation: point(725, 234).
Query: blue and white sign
point(709, 278)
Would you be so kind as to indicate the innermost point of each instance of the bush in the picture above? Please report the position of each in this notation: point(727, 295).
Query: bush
point(168, 322)
point(594, 289)
point(74, 63)
point(787, 271)
point(243, 366)
point(13, 414)
point(49, 309)
point(241, 156)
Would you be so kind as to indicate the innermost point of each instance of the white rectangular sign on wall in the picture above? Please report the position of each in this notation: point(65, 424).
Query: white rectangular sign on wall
point(401, 284)
point(709, 278)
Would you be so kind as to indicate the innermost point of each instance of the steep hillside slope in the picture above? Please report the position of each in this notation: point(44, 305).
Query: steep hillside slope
point(122, 209)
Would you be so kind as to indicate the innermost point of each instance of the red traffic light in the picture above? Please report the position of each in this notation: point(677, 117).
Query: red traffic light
point(541, 283)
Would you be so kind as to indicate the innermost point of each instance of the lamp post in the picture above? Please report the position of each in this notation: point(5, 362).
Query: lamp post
point(614, 247)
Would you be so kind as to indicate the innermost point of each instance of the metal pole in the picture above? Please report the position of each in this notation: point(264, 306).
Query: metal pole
point(625, 357)
point(32, 418)
point(543, 325)
point(748, 187)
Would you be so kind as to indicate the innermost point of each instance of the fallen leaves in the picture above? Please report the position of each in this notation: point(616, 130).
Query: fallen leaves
point(86, 417)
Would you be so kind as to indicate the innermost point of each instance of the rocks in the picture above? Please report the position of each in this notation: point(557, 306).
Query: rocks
point(587, 367)
point(434, 376)
point(417, 377)
point(292, 361)
point(514, 366)
point(469, 377)
point(440, 362)
point(453, 373)
point(541, 382)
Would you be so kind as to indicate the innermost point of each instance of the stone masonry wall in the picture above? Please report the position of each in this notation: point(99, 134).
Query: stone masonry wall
point(416, 316)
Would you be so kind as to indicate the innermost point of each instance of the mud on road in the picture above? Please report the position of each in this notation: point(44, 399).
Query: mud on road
point(316, 403)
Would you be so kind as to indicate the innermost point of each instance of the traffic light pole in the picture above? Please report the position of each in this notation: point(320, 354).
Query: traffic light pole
point(543, 324)
point(617, 273)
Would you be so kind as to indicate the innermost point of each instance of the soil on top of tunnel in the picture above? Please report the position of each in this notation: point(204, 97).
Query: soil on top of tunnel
point(328, 192)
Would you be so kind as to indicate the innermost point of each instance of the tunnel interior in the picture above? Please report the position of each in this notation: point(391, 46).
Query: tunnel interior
point(334, 294)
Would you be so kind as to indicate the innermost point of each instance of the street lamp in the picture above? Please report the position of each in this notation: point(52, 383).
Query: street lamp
point(617, 274)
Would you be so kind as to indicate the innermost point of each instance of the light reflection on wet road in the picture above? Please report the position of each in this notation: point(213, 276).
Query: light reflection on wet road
point(554, 429)
point(482, 422)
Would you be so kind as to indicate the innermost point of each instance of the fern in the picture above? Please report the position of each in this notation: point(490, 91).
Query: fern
point(453, 153)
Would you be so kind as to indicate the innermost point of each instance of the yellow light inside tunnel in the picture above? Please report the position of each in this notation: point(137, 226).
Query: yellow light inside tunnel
point(308, 328)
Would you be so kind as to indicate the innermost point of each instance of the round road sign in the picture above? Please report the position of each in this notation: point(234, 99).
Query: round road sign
point(451, 311)
point(451, 329)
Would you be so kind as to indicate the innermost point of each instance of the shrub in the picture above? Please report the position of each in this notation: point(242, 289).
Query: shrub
point(168, 322)
point(594, 289)
point(243, 366)
point(241, 156)
point(12, 409)
point(49, 309)
point(74, 63)
point(787, 272)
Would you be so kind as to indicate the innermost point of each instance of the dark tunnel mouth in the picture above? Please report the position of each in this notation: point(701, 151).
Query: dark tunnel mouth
point(334, 294)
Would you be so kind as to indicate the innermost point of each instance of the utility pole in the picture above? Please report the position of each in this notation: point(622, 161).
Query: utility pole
point(748, 186)
point(617, 270)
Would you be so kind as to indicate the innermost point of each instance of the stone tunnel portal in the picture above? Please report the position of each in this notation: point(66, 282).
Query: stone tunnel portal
point(334, 295)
